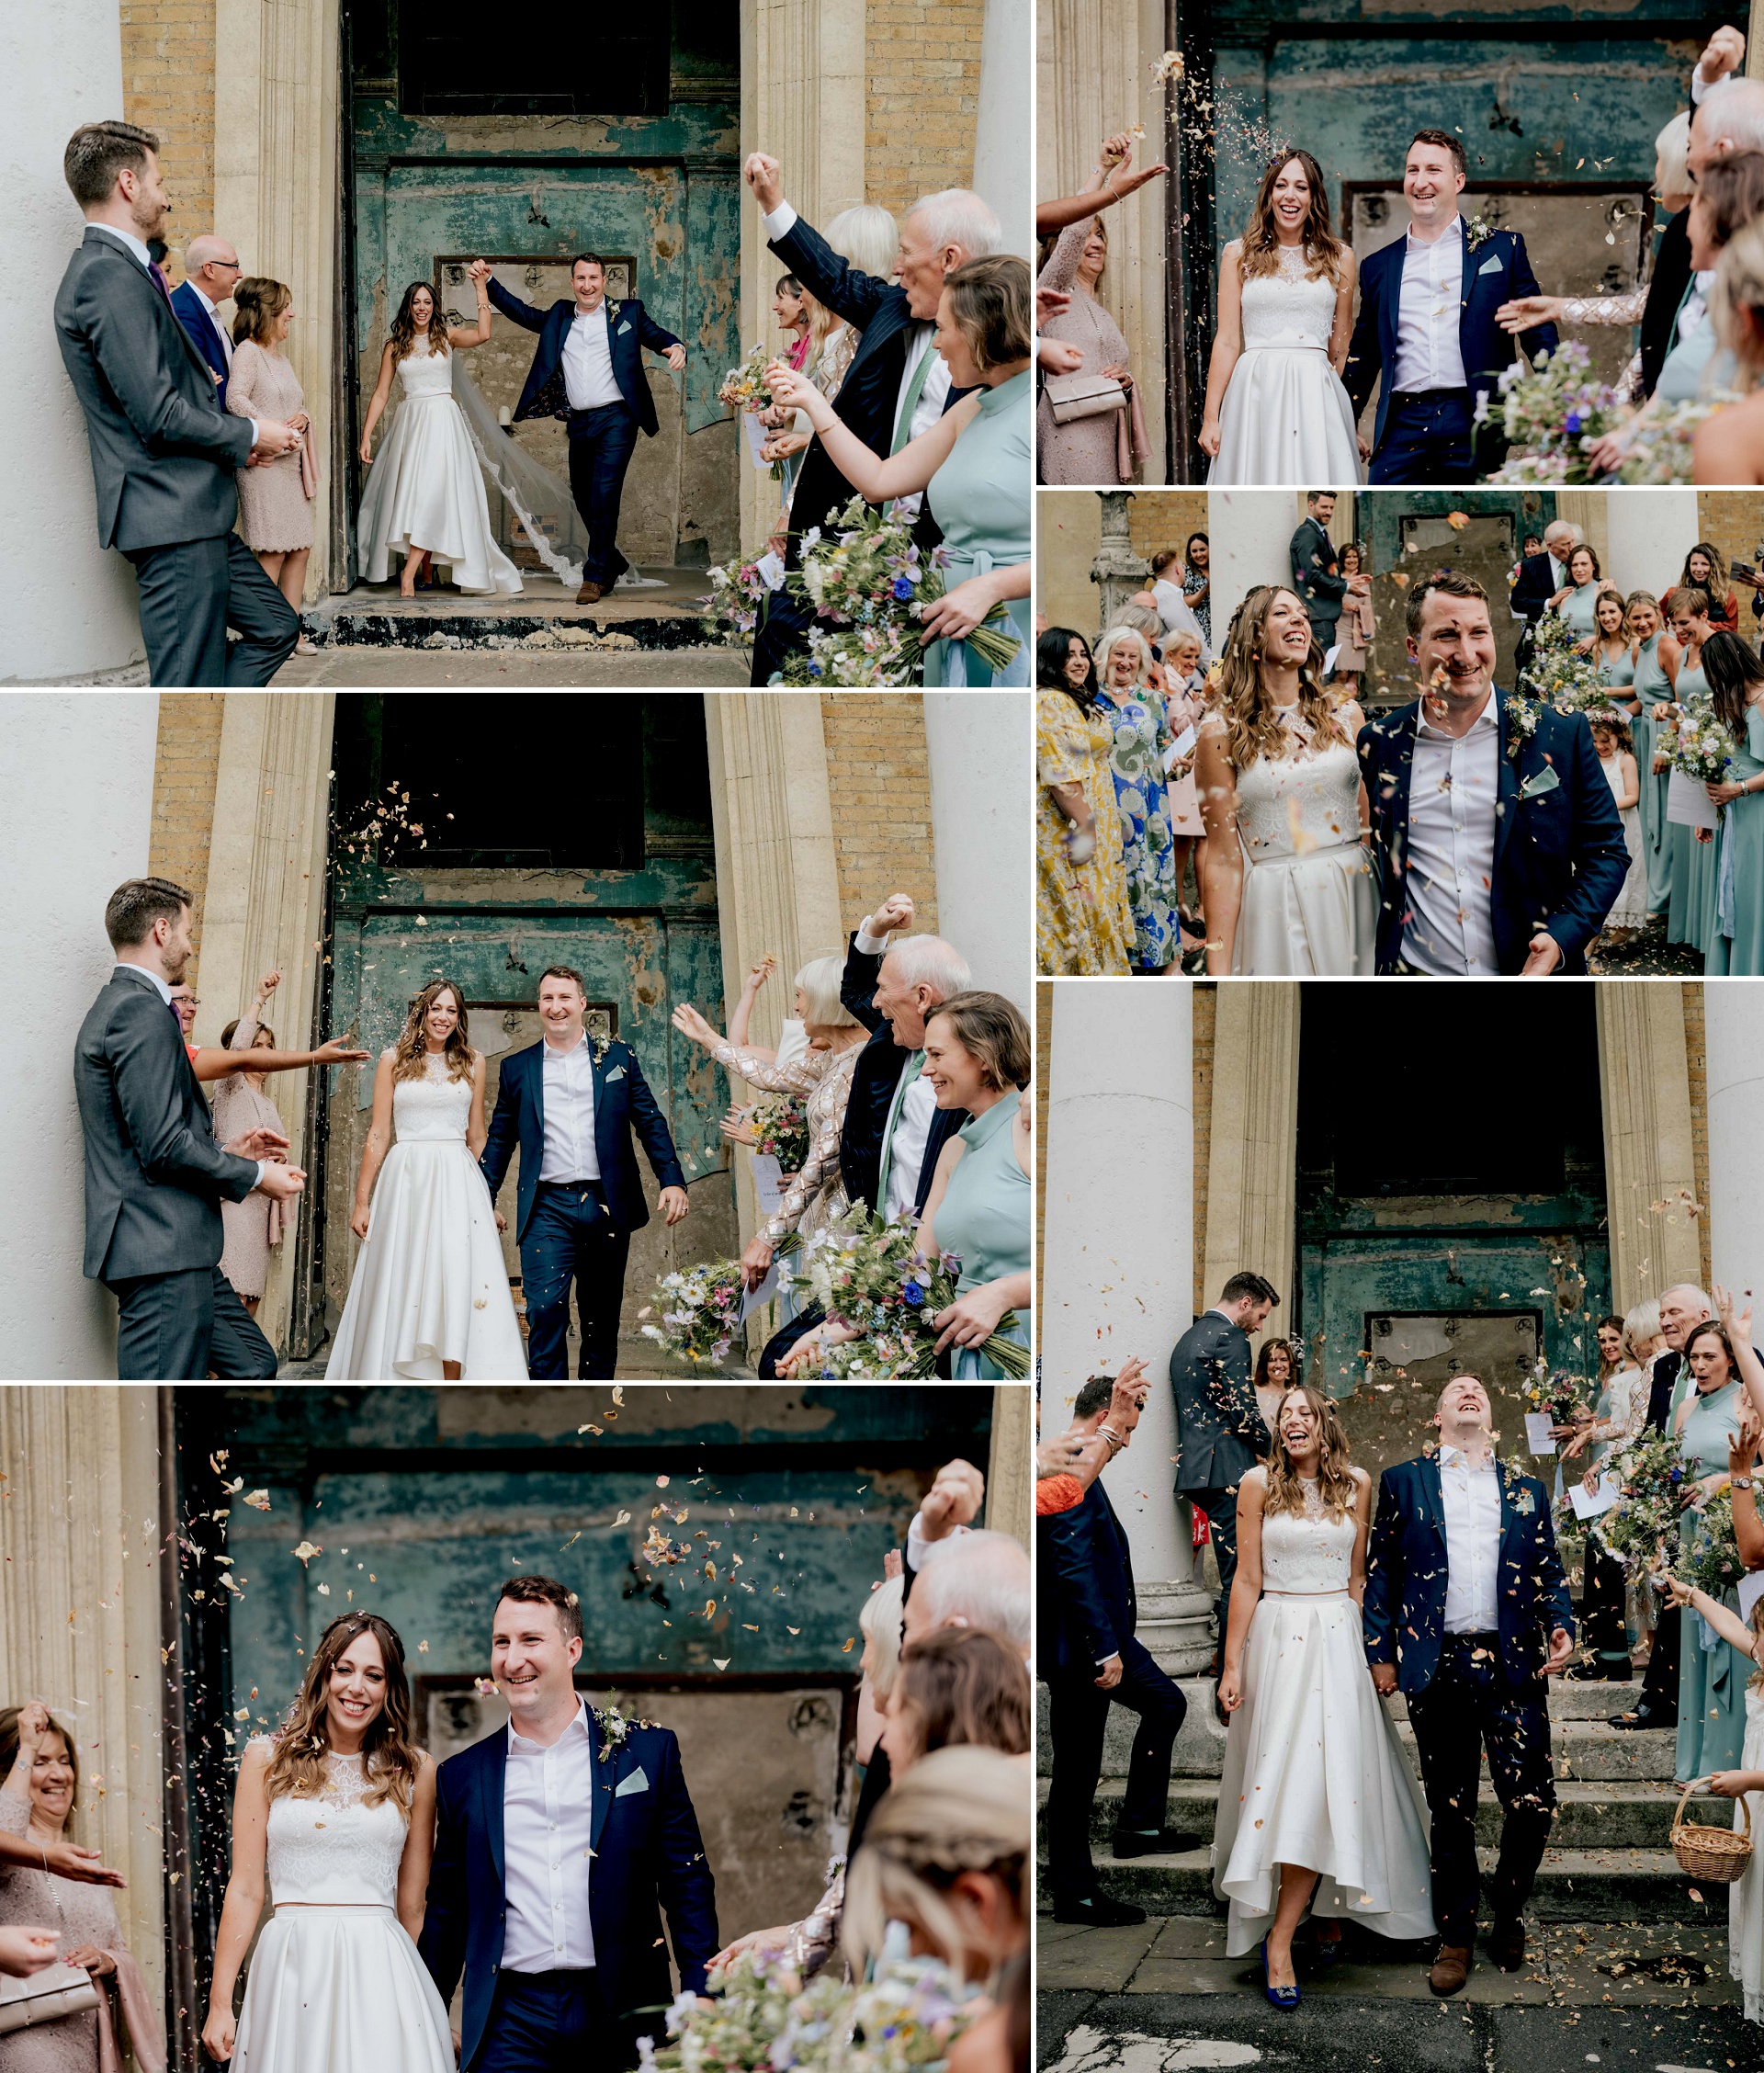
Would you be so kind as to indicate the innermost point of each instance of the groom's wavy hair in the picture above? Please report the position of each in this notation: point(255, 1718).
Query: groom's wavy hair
point(389, 1758)
point(1334, 1476)
point(1324, 252)
point(409, 1054)
point(1252, 719)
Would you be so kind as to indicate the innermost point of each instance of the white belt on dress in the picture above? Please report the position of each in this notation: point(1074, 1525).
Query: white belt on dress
point(1343, 1592)
point(336, 1907)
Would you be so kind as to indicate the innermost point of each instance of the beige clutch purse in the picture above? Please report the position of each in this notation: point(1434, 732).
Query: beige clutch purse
point(1082, 395)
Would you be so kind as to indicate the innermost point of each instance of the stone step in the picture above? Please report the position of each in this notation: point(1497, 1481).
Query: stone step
point(546, 616)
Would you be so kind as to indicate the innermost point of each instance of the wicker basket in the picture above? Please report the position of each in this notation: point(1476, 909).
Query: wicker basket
point(1719, 1855)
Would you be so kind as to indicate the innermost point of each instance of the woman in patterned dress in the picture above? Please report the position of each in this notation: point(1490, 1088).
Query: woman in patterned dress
point(1082, 920)
point(1139, 725)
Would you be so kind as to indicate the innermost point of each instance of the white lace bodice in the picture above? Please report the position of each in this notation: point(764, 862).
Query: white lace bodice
point(1283, 309)
point(335, 1851)
point(1308, 1552)
point(423, 375)
point(435, 1107)
point(1302, 803)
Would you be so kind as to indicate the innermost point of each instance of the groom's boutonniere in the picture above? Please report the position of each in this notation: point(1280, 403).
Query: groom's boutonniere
point(600, 1046)
point(1476, 231)
point(1522, 715)
point(613, 1730)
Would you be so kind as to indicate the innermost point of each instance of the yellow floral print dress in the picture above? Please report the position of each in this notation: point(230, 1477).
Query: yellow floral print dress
point(1081, 922)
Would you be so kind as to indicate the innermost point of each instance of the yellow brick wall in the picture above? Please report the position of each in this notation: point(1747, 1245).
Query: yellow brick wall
point(186, 760)
point(879, 783)
point(1732, 520)
point(1161, 518)
point(168, 87)
point(1697, 1071)
point(922, 62)
point(1205, 1011)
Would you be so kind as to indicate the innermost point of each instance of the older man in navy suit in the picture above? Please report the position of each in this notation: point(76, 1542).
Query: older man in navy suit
point(212, 271)
point(588, 370)
point(571, 1104)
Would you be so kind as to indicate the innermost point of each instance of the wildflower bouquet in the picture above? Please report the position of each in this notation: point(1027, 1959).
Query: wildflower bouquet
point(700, 1311)
point(745, 388)
point(1558, 674)
point(1639, 1527)
point(872, 1277)
point(738, 594)
point(1703, 750)
point(780, 1127)
point(1711, 1560)
point(1656, 446)
point(1551, 413)
point(1557, 1394)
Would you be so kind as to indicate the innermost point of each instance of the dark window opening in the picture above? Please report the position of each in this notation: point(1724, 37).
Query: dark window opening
point(583, 61)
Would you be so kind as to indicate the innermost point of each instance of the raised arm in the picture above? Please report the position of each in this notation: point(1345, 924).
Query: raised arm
point(751, 1066)
point(512, 308)
point(1109, 182)
point(1061, 269)
point(244, 1900)
point(875, 475)
point(479, 334)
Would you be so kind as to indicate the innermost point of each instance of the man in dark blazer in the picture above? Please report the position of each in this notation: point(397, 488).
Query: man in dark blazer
point(163, 451)
point(1220, 1432)
point(571, 1104)
point(588, 370)
point(154, 1176)
point(1316, 568)
point(1088, 1656)
point(1540, 577)
point(896, 381)
point(210, 270)
point(1466, 1609)
point(1500, 842)
point(559, 1842)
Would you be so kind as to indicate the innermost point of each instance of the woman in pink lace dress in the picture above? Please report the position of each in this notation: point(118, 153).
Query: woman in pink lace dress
point(1101, 451)
point(276, 500)
point(250, 1228)
point(42, 1777)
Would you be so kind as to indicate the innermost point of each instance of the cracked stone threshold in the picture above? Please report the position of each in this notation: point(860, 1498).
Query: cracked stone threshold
point(546, 619)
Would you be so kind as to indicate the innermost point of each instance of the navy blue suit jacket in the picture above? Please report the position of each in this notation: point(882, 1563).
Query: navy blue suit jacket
point(629, 327)
point(1404, 1614)
point(195, 320)
point(648, 1856)
point(1560, 856)
point(1498, 271)
point(623, 1107)
point(1534, 586)
point(874, 1079)
point(1085, 1605)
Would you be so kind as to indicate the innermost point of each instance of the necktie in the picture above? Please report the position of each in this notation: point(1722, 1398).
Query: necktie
point(910, 401)
point(914, 1066)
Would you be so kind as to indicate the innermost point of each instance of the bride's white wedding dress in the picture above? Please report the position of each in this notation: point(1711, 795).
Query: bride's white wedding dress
point(429, 1285)
point(1313, 1773)
point(424, 488)
point(1310, 904)
point(1285, 416)
point(335, 1984)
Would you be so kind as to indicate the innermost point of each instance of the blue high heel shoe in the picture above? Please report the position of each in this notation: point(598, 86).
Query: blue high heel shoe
point(1282, 1996)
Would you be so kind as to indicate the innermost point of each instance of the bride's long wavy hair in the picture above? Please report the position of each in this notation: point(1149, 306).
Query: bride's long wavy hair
point(409, 1054)
point(389, 1755)
point(1252, 719)
point(404, 323)
point(1335, 1479)
point(1259, 251)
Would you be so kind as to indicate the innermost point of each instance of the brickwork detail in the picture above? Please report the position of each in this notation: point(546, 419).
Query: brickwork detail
point(168, 87)
point(1732, 521)
point(922, 62)
point(186, 761)
point(1159, 519)
point(878, 780)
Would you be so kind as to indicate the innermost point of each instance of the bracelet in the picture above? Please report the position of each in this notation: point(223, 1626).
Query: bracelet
point(1113, 1437)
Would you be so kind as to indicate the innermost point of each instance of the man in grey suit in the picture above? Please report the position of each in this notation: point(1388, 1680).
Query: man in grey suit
point(1317, 569)
point(164, 450)
point(154, 1176)
point(1219, 1428)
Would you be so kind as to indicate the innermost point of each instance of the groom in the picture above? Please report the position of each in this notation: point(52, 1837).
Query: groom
point(1466, 1608)
point(571, 1104)
point(1500, 844)
point(559, 1841)
point(1427, 324)
point(588, 370)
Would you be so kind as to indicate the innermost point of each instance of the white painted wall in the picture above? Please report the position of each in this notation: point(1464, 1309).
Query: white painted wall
point(69, 612)
point(76, 790)
point(1649, 533)
point(979, 745)
point(1002, 131)
point(1250, 534)
point(1736, 1066)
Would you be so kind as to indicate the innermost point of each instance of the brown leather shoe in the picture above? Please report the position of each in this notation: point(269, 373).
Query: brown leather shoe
point(590, 593)
point(1450, 1969)
point(1507, 1944)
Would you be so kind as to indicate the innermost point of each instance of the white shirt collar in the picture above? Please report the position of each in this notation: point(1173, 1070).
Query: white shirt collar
point(1454, 1457)
point(1489, 717)
point(1413, 240)
point(152, 978)
point(579, 1725)
point(202, 299)
point(551, 1050)
point(127, 239)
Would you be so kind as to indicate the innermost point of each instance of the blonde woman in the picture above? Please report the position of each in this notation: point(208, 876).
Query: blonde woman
point(429, 1300)
point(1317, 1808)
point(336, 1814)
point(1287, 886)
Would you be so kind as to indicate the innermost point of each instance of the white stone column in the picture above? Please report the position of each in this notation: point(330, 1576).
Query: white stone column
point(1650, 1143)
point(1735, 1082)
point(1648, 530)
point(63, 756)
point(1118, 1262)
point(69, 614)
point(1250, 534)
point(978, 748)
point(1001, 132)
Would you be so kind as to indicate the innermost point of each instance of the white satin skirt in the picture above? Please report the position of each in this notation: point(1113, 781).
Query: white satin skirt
point(1314, 1775)
point(1307, 916)
point(430, 1285)
point(1286, 419)
point(425, 488)
point(340, 1990)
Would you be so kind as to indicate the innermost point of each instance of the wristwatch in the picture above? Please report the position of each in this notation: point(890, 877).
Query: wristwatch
point(1739, 1482)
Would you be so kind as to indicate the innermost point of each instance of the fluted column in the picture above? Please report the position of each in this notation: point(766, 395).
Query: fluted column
point(1119, 570)
point(1650, 1161)
point(1117, 1252)
point(80, 1534)
point(1735, 1082)
point(1251, 1169)
point(1010, 1479)
point(1250, 535)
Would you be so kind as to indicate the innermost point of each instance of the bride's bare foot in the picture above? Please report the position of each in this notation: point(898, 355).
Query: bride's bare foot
point(407, 584)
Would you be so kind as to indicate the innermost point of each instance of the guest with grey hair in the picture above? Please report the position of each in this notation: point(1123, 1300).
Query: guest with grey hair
point(211, 272)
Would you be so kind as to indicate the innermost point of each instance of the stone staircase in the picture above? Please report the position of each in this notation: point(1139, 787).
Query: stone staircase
point(1609, 1859)
point(546, 616)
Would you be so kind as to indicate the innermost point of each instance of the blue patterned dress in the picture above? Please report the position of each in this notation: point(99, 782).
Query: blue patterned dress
point(1141, 739)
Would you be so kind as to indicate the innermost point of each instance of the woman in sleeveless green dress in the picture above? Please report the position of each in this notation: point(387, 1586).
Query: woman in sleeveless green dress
point(1692, 915)
point(1712, 1681)
point(1656, 664)
point(1737, 678)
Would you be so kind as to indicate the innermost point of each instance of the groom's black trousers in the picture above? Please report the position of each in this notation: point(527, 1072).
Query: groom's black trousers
point(190, 594)
point(602, 442)
point(181, 1327)
point(1428, 438)
point(551, 2022)
point(1077, 1714)
point(570, 1237)
point(1470, 1706)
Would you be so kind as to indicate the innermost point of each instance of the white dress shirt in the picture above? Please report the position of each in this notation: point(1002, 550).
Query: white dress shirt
point(1453, 790)
point(1471, 1500)
point(219, 329)
point(548, 1820)
point(588, 361)
point(1428, 353)
point(569, 1091)
point(913, 1120)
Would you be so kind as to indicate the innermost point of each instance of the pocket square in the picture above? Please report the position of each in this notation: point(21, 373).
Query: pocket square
point(1538, 783)
point(1489, 266)
point(616, 1073)
point(623, 329)
point(636, 1782)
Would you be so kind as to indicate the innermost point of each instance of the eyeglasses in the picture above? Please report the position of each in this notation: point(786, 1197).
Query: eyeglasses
point(232, 265)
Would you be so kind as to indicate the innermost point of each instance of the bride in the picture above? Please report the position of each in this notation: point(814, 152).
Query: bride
point(1276, 408)
point(339, 1809)
point(1287, 883)
point(429, 1301)
point(1316, 1803)
point(425, 497)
